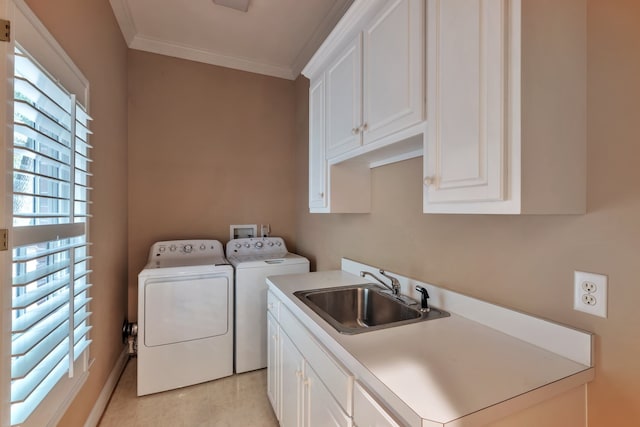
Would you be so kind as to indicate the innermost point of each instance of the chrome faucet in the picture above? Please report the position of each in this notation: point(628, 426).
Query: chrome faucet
point(395, 284)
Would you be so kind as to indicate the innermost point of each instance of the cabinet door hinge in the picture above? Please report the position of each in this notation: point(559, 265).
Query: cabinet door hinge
point(4, 239)
point(5, 30)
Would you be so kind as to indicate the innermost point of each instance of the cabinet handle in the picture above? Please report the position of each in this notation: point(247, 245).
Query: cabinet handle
point(321, 195)
point(429, 180)
point(298, 374)
point(364, 126)
point(355, 131)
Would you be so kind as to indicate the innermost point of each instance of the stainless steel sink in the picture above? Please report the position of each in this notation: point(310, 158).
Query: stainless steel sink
point(367, 307)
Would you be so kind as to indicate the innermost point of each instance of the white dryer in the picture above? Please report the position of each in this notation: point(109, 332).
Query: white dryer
point(185, 315)
point(254, 260)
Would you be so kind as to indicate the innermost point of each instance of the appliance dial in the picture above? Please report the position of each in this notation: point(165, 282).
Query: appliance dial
point(172, 248)
point(203, 247)
point(188, 249)
point(162, 249)
point(259, 245)
point(270, 243)
point(246, 245)
point(279, 243)
point(238, 245)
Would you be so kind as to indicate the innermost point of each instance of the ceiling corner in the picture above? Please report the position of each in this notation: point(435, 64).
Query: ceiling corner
point(125, 20)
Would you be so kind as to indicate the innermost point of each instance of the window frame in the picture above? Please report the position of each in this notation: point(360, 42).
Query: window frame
point(35, 39)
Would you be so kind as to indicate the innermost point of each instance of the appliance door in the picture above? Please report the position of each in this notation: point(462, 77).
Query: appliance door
point(251, 310)
point(185, 308)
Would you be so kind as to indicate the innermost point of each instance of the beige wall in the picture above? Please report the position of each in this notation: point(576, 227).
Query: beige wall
point(208, 147)
point(524, 262)
point(88, 32)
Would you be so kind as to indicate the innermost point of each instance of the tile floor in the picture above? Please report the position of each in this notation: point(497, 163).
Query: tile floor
point(239, 400)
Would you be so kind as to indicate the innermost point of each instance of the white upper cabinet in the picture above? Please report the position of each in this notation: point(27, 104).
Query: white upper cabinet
point(375, 85)
point(344, 100)
point(506, 107)
point(317, 160)
point(369, 78)
point(393, 70)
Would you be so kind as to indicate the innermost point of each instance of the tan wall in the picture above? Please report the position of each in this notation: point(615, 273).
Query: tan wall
point(90, 35)
point(208, 147)
point(524, 262)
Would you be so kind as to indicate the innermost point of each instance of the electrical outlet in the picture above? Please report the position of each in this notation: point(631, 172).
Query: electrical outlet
point(590, 293)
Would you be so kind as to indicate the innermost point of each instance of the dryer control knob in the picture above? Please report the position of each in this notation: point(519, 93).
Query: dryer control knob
point(238, 245)
point(173, 248)
point(279, 243)
point(270, 243)
point(246, 245)
point(259, 245)
point(203, 247)
point(188, 249)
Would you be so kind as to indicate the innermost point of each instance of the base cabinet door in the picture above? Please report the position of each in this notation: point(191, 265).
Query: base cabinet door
point(367, 412)
point(321, 409)
point(292, 369)
point(273, 365)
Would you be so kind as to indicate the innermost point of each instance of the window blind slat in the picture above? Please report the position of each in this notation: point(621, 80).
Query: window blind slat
point(40, 273)
point(29, 298)
point(25, 135)
point(21, 389)
point(24, 365)
point(26, 321)
point(30, 115)
point(28, 340)
point(25, 90)
point(62, 247)
point(25, 67)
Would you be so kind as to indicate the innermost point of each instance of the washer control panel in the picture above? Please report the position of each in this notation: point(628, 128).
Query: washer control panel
point(186, 249)
point(256, 246)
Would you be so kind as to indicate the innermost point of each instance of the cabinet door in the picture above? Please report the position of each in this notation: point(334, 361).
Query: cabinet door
point(317, 159)
point(273, 364)
point(393, 55)
point(344, 100)
point(321, 409)
point(367, 412)
point(291, 396)
point(467, 81)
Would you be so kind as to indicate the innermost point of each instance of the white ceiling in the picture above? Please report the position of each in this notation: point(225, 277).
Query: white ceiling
point(275, 37)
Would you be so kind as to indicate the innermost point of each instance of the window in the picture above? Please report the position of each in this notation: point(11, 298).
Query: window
point(50, 249)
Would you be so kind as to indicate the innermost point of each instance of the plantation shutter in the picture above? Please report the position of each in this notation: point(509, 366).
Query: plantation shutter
point(50, 275)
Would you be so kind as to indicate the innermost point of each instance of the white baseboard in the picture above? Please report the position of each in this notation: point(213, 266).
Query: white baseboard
point(107, 390)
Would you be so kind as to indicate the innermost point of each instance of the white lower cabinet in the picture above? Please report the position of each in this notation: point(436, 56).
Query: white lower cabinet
point(291, 373)
point(367, 412)
point(306, 401)
point(305, 385)
point(273, 362)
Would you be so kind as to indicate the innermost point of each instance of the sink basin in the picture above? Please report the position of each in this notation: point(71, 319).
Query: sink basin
point(367, 307)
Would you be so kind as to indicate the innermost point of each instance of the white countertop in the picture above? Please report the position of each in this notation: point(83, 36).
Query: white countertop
point(438, 372)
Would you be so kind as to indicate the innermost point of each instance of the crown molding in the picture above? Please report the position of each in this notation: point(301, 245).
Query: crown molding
point(209, 57)
point(319, 35)
point(346, 29)
point(125, 20)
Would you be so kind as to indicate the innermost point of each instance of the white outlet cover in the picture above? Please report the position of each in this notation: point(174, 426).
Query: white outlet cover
point(599, 293)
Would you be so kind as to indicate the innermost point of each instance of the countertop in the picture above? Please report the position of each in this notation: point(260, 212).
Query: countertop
point(449, 371)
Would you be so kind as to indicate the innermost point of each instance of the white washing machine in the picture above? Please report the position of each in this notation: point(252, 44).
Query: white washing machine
point(254, 259)
point(185, 315)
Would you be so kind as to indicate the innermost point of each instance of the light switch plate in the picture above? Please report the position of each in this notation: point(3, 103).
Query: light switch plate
point(590, 293)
